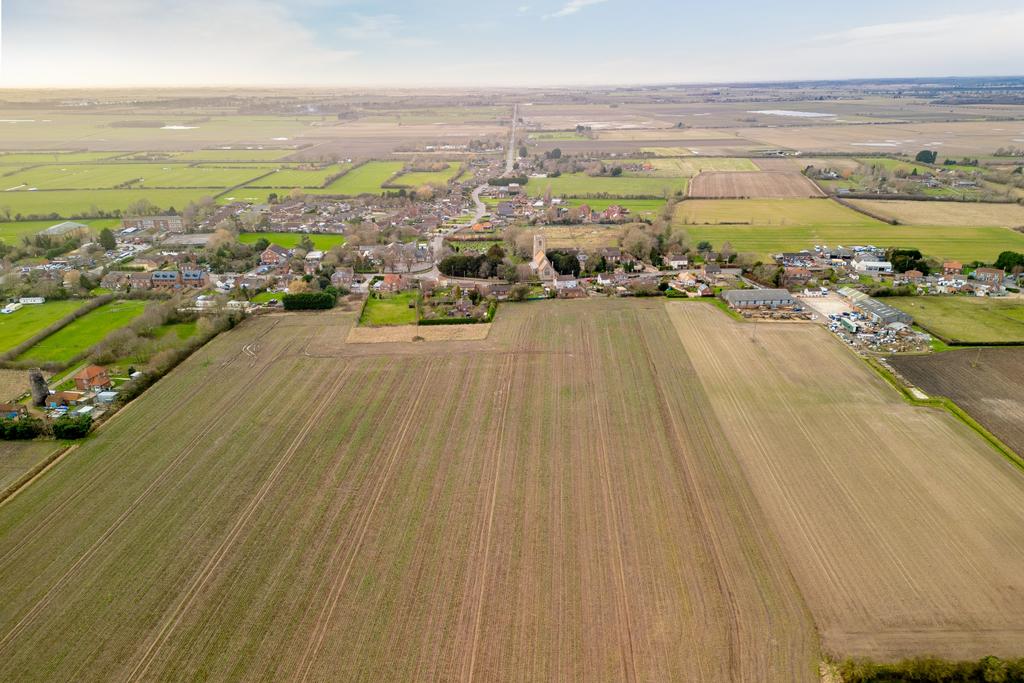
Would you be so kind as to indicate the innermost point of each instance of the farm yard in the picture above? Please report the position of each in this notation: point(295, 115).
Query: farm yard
point(835, 472)
point(494, 578)
point(756, 185)
point(985, 382)
point(85, 332)
point(944, 213)
point(967, 320)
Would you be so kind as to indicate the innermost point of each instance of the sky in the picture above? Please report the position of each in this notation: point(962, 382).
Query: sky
point(95, 43)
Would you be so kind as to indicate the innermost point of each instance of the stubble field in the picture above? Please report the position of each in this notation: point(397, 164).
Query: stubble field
point(755, 185)
point(596, 491)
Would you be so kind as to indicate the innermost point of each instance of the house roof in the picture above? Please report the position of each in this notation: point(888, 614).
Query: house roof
point(90, 371)
point(277, 249)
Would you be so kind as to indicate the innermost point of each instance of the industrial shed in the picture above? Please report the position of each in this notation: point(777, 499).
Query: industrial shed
point(757, 298)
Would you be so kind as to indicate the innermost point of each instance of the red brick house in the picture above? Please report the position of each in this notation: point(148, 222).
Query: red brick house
point(992, 276)
point(274, 255)
point(92, 378)
point(952, 268)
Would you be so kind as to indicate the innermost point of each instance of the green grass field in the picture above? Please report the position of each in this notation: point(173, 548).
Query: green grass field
point(419, 179)
point(966, 319)
point(582, 185)
point(141, 175)
point(13, 232)
point(35, 158)
point(637, 207)
point(394, 310)
point(365, 179)
point(802, 212)
point(21, 325)
point(965, 244)
point(85, 332)
point(72, 203)
point(292, 177)
point(290, 240)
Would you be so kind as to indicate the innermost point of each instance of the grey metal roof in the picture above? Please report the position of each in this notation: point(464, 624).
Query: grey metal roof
point(749, 295)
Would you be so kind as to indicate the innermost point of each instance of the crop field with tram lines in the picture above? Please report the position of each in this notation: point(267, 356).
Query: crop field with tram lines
point(602, 506)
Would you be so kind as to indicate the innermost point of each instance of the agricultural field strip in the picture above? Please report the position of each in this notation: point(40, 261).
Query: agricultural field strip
point(119, 521)
point(199, 638)
point(935, 584)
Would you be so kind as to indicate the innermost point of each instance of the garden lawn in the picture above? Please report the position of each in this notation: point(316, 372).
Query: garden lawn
point(393, 310)
point(365, 179)
point(290, 240)
point(436, 178)
point(20, 326)
point(84, 333)
point(582, 185)
point(966, 318)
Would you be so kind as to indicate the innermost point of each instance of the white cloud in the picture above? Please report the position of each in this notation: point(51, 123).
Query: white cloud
point(952, 33)
point(572, 7)
point(151, 42)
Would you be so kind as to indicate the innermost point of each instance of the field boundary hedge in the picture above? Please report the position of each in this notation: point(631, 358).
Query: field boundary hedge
point(861, 210)
point(88, 307)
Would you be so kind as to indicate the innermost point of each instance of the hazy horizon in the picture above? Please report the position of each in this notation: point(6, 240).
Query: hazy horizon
point(454, 43)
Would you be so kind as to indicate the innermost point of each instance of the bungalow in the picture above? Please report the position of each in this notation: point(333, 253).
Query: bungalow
point(274, 255)
point(91, 378)
point(12, 411)
point(793, 275)
point(710, 271)
point(63, 398)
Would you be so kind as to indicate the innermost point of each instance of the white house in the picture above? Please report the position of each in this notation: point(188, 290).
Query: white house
point(872, 266)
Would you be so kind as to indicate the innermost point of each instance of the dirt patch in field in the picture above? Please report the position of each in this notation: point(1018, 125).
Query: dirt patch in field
point(755, 185)
point(418, 333)
point(987, 383)
point(13, 383)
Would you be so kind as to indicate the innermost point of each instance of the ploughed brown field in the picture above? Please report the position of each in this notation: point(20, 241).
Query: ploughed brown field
point(754, 185)
point(599, 490)
point(987, 383)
